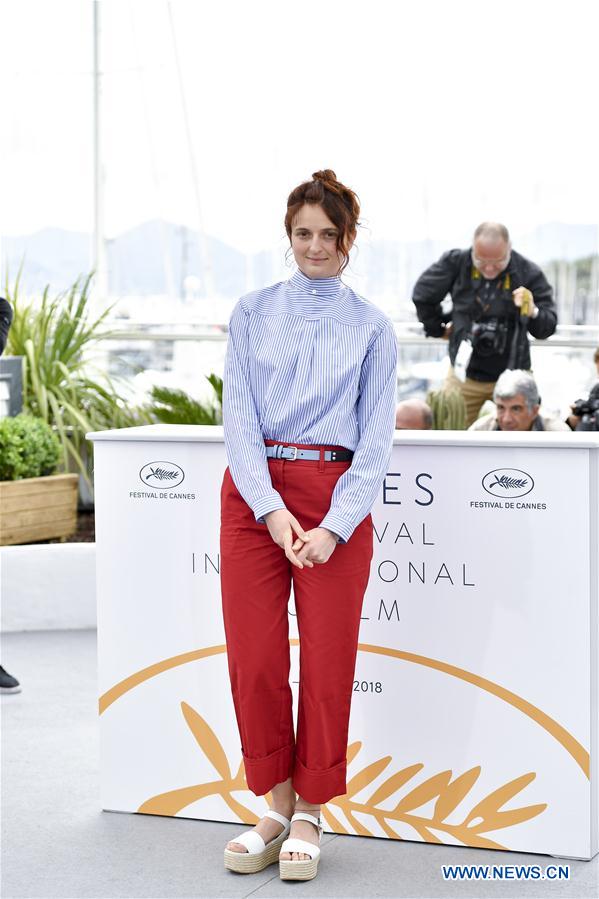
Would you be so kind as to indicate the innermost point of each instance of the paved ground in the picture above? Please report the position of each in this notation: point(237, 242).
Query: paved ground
point(56, 842)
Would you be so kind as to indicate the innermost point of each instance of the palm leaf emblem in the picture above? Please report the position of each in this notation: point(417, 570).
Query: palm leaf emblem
point(509, 483)
point(407, 800)
point(162, 474)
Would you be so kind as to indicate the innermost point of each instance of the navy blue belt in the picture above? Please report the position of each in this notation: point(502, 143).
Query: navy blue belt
point(291, 453)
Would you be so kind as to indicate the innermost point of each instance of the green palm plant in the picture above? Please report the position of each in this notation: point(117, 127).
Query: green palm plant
point(60, 383)
point(177, 407)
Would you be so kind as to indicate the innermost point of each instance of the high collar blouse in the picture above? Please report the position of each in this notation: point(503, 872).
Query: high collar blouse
point(309, 360)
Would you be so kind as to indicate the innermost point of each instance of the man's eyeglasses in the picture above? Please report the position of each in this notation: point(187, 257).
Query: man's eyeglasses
point(499, 264)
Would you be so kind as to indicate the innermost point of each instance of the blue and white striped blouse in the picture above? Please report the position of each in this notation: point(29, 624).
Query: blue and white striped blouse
point(308, 360)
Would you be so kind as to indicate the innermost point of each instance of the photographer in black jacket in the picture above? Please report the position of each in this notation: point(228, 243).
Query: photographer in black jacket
point(498, 297)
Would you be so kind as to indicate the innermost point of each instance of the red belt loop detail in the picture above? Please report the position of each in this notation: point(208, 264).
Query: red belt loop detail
point(321, 460)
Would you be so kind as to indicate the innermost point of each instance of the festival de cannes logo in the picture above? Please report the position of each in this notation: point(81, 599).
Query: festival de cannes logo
point(162, 474)
point(508, 483)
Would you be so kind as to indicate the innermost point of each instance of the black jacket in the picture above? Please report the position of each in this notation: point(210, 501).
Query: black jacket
point(453, 274)
point(5, 320)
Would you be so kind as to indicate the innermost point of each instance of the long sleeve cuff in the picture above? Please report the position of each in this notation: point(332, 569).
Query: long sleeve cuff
point(434, 329)
point(267, 504)
point(344, 529)
point(544, 325)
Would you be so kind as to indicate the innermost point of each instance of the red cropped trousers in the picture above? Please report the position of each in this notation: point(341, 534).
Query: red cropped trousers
point(256, 579)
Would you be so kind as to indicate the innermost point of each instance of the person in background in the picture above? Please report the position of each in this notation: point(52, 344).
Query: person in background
point(573, 421)
point(498, 298)
point(413, 415)
point(8, 683)
point(5, 322)
point(517, 402)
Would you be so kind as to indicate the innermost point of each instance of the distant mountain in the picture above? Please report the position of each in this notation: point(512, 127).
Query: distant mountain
point(152, 258)
point(155, 258)
point(51, 256)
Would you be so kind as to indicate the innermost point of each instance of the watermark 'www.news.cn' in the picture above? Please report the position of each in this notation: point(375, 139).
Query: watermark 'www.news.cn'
point(505, 872)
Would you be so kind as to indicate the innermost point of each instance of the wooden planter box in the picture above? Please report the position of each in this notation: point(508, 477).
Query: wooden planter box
point(38, 508)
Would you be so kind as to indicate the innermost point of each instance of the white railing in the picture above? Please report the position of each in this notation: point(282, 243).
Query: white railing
point(409, 334)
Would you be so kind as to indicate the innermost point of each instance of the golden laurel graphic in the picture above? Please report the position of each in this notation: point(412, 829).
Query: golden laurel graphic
point(486, 816)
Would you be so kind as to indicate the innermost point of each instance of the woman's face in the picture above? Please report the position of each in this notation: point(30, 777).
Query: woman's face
point(314, 242)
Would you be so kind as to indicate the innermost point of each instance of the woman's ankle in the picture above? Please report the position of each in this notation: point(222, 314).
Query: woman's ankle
point(301, 806)
point(283, 808)
point(283, 801)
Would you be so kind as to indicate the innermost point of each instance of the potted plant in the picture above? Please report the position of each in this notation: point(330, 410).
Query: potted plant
point(35, 503)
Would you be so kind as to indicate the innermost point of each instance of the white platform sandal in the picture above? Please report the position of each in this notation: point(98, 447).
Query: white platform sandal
point(259, 854)
point(303, 869)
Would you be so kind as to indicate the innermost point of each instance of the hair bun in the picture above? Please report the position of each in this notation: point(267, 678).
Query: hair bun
point(324, 175)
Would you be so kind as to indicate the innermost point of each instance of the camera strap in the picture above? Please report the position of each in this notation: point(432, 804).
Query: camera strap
point(483, 306)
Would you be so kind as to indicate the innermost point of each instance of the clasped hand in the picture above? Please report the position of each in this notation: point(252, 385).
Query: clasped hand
point(310, 548)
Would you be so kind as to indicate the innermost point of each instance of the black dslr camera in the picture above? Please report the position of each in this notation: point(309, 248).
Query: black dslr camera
point(588, 411)
point(489, 337)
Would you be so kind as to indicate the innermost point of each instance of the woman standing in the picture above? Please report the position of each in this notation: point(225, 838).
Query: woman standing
point(308, 414)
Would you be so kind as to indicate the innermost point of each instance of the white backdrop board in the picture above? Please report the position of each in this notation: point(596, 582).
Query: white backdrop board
point(474, 712)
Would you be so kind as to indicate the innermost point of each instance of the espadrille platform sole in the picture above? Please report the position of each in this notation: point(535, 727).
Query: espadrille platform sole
point(304, 869)
point(259, 854)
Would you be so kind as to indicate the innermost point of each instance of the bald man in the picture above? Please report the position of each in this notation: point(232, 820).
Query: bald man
point(413, 415)
point(488, 284)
